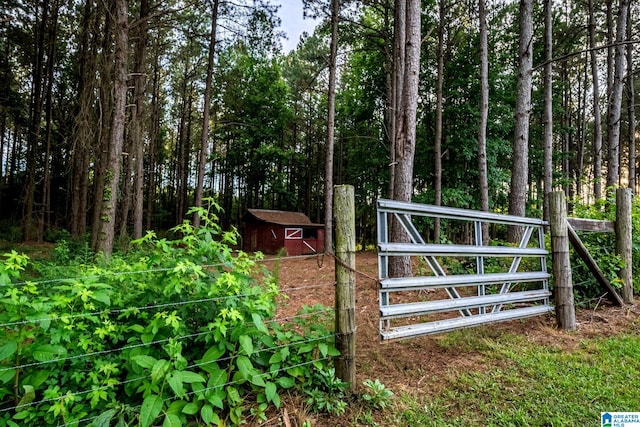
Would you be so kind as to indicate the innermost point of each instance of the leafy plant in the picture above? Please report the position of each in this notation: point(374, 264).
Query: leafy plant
point(174, 332)
point(329, 393)
point(377, 395)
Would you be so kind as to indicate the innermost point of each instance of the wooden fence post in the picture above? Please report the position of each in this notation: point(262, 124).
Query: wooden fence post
point(623, 241)
point(344, 221)
point(562, 279)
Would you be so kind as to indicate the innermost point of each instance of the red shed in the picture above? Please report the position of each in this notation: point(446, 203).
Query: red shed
point(269, 231)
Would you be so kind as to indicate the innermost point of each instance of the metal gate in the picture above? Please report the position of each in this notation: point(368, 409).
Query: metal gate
point(457, 286)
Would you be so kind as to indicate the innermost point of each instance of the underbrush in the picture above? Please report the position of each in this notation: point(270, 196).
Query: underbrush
point(601, 246)
point(175, 332)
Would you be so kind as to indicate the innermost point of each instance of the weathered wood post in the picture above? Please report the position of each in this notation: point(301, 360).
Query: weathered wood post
point(344, 220)
point(562, 280)
point(623, 241)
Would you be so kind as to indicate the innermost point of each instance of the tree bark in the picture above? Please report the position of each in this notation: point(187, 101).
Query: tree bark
point(399, 53)
point(139, 96)
point(631, 110)
point(154, 135)
point(615, 98)
point(44, 219)
point(406, 125)
point(204, 140)
point(484, 115)
point(84, 122)
point(597, 119)
point(437, 144)
point(35, 117)
point(547, 120)
point(520, 163)
point(331, 128)
point(106, 225)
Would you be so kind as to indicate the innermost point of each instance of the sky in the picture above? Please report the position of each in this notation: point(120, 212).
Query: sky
point(292, 22)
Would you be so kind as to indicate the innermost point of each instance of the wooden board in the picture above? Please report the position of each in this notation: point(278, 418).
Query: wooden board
point(595, 225)
point(593, 266)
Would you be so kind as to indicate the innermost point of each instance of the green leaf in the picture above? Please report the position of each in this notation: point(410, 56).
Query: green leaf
point(28, 397)
point(244, 366)
point(191, 377)
point(333, 351)
point(275, 358)
point(144, 361)
point(7, 376)
point(159, 369)
point(176, 407)
point(104, 419)
point(37, 378)
point(171, 420)
point(102, 297)
point(247, 344)
point(216, 399)
point(7, 350)
point(206, 413)
point(208, 361)
point(217, 379)
point(175, 382)
point(190, 408)
point(324, 349)
point(305, 348)
point(286, 382)
point(257, 321)
point(151, 408)
point(270, 390)
point(212, 355)
point(257, 379)
point(48, 352)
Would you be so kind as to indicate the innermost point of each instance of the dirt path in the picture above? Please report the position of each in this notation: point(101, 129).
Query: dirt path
point(414, 365)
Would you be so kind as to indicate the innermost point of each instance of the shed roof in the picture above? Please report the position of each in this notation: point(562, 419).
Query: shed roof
point(278, 217)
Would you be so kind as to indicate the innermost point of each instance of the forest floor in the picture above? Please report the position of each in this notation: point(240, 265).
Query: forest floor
point(416, 366)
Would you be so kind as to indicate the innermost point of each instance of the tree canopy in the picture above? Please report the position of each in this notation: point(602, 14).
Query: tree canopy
point(80, 77)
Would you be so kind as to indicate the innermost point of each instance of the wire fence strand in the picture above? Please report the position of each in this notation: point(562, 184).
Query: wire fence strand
point(142, 378)
point(104, 315)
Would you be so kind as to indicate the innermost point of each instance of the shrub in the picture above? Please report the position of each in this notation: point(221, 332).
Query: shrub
point(175, 332)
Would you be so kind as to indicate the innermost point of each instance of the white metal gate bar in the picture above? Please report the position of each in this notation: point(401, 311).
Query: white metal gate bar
point(503, 304)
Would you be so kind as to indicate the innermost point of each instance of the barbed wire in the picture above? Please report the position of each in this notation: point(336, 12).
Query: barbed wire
point(191, 393)
point(112, 312)
point(147, 271)
point(133, 346)
point(196, 365)
point(145, 308)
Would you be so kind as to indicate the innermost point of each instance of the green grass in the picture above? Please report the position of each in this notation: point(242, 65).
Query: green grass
point(528, 384)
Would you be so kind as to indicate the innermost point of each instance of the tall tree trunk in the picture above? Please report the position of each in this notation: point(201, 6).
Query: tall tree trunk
point(483, 173)
point(84, 123)
point(437, 144)
point(106, 221)
point(520, 163)
point(331, 128)
point(547, 120)
point(597, 119)
point(154, 136)
point(614, 113)
point(204, 140)
point(137, 124)
point(405, 138)
point(106, 102)
point(399, 53)
point(631, 110)
point(35, 117)
point(390, 115)
point(45, 196)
